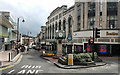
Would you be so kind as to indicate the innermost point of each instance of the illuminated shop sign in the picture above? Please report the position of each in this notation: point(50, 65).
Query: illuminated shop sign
point(103, 48)
point(112, 33)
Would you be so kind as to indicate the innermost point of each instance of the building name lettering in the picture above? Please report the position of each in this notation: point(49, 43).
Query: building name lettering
point(112, 33)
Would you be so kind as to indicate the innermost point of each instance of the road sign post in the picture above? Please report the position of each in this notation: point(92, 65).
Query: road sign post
point(93, 44)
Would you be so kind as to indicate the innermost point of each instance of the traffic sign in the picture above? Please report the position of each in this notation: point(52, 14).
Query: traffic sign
point(69, 38)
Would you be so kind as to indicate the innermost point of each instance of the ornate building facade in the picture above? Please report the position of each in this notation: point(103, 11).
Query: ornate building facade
point(78, 22)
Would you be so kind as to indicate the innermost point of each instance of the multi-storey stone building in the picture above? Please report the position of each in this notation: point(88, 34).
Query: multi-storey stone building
point(60, 19)
point(79, 20)
point(102, 15)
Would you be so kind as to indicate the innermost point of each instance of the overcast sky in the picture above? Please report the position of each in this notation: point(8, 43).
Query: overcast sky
point(35, 12)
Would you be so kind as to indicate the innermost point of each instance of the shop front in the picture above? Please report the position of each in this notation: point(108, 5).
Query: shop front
point(78, 49)
point(69, 49)
point(104, 49)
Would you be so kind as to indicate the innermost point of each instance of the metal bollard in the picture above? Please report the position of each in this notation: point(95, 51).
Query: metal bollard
point(9, 57)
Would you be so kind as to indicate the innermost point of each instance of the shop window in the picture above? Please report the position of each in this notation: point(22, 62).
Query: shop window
point(88, 48)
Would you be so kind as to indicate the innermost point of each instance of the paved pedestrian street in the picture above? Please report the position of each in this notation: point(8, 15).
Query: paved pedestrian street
point(32, 63)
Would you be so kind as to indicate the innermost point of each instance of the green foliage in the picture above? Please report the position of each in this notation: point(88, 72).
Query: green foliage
point(81, 57)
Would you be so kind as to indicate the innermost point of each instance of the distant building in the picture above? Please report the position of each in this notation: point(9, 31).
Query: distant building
point(26, 40)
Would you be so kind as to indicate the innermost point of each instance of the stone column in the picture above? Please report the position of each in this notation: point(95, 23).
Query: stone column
point(97, 13)
point(104, 14)
point(73, 48)
point(66, 34)
point(86, 16)
point(47, 32)
point(59, 48)
point(81, 26)
point(75, 18)
point(61, 25)
point(66, 28)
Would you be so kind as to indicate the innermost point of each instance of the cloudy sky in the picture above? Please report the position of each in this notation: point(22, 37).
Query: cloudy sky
point(35, 12)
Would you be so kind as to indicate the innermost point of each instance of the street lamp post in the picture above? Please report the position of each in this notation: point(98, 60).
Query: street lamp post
point(28, 37)
point(18, 31)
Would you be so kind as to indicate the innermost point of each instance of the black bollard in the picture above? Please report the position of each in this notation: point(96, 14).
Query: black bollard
point(9, 57)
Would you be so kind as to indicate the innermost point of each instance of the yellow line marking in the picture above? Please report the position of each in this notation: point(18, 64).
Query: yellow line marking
point(7, 67)
point(12, 65)
point(20, 59)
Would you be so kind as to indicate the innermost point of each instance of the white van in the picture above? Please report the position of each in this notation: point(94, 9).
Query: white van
point(32, 45)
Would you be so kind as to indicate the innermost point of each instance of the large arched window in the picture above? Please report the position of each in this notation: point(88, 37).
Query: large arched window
point(56, 26)
point(46, 32)
point(64, 25)
point(50, 31)
point(53, 31)
point(59, 25)
point(70, 25)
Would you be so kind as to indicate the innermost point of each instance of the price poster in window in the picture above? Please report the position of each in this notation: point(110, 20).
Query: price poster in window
point(88, 48)
point(79, 48)
point(103, 48)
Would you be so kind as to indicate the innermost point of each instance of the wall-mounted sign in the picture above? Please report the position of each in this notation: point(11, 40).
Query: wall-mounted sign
point(69, 38)
point(111, 33)
point(103, 48)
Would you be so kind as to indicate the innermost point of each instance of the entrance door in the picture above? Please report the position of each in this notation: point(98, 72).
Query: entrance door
point(69, 49)
point(116, 50)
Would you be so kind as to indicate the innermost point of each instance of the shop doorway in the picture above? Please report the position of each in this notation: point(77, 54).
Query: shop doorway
point(69, 49)
point(116, 50)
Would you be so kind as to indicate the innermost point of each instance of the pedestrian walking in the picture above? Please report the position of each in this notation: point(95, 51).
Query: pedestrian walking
point(25, 49)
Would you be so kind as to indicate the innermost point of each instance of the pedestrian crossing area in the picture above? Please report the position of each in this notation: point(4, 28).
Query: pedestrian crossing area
point(27, 69)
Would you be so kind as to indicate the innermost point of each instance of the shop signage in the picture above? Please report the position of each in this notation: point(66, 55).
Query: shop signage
point(111, 33)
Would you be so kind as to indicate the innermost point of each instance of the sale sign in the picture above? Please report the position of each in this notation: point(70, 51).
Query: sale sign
point(88, 48)
point(79, 48)
point(103, 48)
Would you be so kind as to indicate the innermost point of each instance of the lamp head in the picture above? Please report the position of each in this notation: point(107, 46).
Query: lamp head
point(23, 20)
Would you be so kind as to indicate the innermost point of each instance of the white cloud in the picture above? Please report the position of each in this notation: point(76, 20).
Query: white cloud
point(35, 12)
